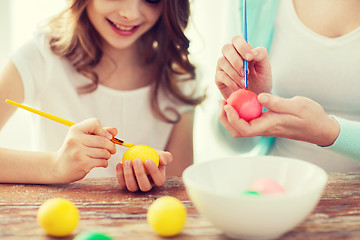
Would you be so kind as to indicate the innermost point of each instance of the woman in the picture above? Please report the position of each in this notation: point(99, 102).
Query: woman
point(314, 53)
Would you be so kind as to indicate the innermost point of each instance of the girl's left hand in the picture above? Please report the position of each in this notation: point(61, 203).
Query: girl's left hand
point(132, 174)
point(297, 118)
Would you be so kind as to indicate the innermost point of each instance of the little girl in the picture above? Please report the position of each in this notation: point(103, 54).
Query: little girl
point(99, 63)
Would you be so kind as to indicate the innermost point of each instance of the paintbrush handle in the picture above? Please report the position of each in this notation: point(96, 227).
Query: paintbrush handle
point(41, 113)
point(246, 64)
point(60, 120)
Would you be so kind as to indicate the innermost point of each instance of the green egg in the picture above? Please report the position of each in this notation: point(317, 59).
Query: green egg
point(251, 193)
point(93, 236)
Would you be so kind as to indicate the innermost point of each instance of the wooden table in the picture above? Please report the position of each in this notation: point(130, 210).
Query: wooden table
point(104, 206)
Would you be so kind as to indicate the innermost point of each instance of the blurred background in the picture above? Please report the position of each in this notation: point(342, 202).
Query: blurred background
point(211, 26)
point(18, 21)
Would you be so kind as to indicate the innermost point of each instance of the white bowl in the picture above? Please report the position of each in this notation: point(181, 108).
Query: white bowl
point(216, 188)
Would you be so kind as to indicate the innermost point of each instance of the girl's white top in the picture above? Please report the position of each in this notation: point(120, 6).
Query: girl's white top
point(324, 69)
point(50, 84)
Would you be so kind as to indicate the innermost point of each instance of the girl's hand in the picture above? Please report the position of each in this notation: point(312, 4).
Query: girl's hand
point(297, 118)
point(229, 75)
point(87, 145)
point(132, 174)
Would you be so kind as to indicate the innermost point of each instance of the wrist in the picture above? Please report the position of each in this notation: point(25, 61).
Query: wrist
point(331, 132)
point(54, 174)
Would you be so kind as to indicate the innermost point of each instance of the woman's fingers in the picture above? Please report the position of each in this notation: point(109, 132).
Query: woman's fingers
point(295, 105)
point(227, 76)
point(244, 48)
point(223, 117)
point(260, 54)
point(234, 59)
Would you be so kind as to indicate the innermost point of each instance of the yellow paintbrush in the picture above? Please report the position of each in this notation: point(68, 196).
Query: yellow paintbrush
point(60, 120)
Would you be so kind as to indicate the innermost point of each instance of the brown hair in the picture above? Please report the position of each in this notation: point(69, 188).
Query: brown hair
point(72, 36)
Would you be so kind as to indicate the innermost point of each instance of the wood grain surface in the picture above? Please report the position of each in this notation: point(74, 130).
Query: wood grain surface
point(106, 207)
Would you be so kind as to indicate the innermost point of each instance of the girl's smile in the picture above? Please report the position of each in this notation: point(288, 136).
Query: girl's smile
point(123, 30)
point(122, 23)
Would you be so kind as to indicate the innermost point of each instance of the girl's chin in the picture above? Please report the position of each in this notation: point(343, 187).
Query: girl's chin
point(121, 45)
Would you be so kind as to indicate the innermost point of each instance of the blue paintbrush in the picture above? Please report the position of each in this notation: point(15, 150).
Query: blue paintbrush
point(246, 64)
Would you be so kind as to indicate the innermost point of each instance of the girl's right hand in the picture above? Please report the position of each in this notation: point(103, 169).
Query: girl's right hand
point(87, 145)
point(229, 75)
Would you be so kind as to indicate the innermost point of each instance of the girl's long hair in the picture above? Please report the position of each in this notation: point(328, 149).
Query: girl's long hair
point(73, 37)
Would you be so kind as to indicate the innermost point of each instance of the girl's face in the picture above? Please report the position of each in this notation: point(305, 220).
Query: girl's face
point(122, 22)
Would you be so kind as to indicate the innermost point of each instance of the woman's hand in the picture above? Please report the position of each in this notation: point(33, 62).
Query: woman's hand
point(229, 75)
point(132, 174)
point(297, 118)
point(87, 145)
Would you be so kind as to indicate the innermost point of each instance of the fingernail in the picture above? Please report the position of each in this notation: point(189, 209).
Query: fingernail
point(242, 72)
point(226, 110)
point(149, 161)
point(108, 135)
point(127, 163)
point(248, 56)
point(255, 52)
point(242, 82)
point(137, 162)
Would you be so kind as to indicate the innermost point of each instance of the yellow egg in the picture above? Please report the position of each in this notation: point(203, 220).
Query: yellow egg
point(143, 152)
point(167, 216)
point(58, 217)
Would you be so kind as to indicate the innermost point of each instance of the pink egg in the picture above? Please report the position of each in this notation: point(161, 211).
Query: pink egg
point(266, 186)
point(246, 104)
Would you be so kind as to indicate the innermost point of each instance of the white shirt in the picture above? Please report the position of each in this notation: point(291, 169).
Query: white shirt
point(50, 85)
point(323, 69)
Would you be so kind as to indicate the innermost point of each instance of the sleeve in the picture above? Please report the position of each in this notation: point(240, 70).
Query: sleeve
point(261, 17)
point(348, 141)
point(30, 63)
